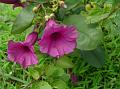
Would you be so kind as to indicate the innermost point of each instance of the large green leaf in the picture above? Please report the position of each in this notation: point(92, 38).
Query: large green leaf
point(94, 57)
point(41, 85)
point(23, 21)
point(54, 71)
point(89, 36)
point(60, 84)
point(65, 62)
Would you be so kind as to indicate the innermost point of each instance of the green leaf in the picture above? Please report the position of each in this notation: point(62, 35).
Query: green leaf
point(54, 71)
point(97, 18)
point(34, 73)
point(23, 21)
point(71, 2)
point(65, 62)
point(42, 1)
point(116, 2)
point(94, 57)
point(61, 13)
point(59, 84)
point(41, 85)
point(65, 77)
point(89, 36)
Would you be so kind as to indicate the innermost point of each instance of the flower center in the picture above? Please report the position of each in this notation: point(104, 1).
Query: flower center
point(26, 48)
point(55, 35)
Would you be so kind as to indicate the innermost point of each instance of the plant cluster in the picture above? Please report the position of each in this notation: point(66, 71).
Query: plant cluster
point(60, 29)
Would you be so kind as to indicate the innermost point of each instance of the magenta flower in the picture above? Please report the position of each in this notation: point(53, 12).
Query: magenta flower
point(23, 52)
point(58, 39)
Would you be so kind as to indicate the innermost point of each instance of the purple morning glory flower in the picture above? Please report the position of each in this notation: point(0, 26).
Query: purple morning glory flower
point(23, 52)
point(58, 39)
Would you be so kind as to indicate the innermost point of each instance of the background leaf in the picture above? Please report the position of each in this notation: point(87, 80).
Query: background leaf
point(23, 21)
point(41, 85)
point(94, 57)
point(59, 84)
point(89, 36)
point(72, 1)
point(116, 2)
point(54, 71)
point(65, 62)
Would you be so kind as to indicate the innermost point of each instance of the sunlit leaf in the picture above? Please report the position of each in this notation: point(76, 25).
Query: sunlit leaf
point(23, 21)
point(41, 85)
point(54, 71)
point(59, 84)
point(65, 62)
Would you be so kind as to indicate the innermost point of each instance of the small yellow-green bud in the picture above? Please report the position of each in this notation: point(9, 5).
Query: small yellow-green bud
point(93, 4)
point(52, 15)
point(47, 18)
point(88, 7)
point(62, 4)
point(35, 9)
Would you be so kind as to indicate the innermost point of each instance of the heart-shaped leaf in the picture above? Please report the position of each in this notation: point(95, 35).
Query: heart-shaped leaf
point(23, 20)
point(94, 57)
point(89, 36)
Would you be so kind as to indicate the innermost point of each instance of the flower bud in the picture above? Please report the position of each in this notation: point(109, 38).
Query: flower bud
point(62, 4)
point(52, 15)
point(93, 4)
point(47, 18)
point(74, 78)
point(35, 9)
point(88, 7)
point(32, 38)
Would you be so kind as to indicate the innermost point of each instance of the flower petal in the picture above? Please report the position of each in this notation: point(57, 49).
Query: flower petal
point(58, 39)
point(32, 38)
point(29, 59)
point(21, 53)
point(15, 50)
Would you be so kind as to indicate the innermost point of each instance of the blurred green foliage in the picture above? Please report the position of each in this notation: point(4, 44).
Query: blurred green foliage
point(48, 73)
